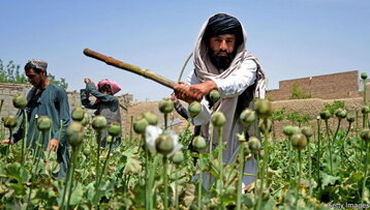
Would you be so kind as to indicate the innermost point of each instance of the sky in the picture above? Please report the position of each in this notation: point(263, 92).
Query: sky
point(291, 38)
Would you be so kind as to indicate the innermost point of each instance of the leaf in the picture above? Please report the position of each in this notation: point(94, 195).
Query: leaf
point(77, 194)
point(328, 179)
point(133, 165)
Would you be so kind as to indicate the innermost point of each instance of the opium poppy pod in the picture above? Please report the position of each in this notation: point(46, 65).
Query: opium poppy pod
point(247, 117)
point(263, 108)
point(340, 113)
point(290, 130)
point(99, 122)
point(365, 134)
point(43, 123)
point(114, 129)
point(218, 119)
point(75, 133)
point(254, 144)
point(166, 106)
point(350, 118)
point(178, 157)
point(19, 101)
point(194, 108)
point(151, 118)
point(199, 143)
point(307, 131)
point(325, 114)
point(214, 95)
point(299, 141)
point(10, 121)
point(164, 144)
point(78, 113)
point(363, 75)
point(140, 125)
point(365, 110)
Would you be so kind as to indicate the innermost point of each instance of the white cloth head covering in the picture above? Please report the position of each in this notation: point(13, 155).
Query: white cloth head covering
point(205, 70)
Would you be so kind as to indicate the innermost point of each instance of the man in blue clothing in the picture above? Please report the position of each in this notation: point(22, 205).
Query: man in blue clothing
point(45, 99)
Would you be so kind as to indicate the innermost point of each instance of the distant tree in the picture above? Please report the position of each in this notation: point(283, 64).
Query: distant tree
point(11, 74)
point(297, 92)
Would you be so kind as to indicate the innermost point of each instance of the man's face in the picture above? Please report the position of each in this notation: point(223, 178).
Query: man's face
point(36, 79)
point(222, 49)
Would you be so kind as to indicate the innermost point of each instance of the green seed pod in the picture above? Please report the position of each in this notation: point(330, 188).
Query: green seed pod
point(254, 144)
point(151, 118)
point(166, 106)
point(299, 141)
point(44, 123)
point(10, 121)
point(340, 113)
point(263, 108)
point(290, 130)
point(114, 129)
point(365, 134)
point(307, 131)
point(140, 125)
point(214, 95)
point(78, 113)
point(350, 118)
point(19, 101)
point(218, 119)
point(178, 157)
point(75, 133)
point(363, 75)
point(85, 120)
point(247, 117)
point(99, 122)
point(109, 139)
point(199, 143)
point(194, 108)
point(164, 144)
point(87, 151)
point(265, 125)
point(365, 110)
point(325, 114)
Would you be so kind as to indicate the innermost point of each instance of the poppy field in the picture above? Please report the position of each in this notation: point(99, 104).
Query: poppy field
point(319, 165)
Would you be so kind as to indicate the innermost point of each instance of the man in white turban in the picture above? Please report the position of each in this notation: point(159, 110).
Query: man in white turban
point(222, 62)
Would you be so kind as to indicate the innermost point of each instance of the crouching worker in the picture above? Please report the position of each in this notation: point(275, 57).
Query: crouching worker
point(106, 104)
point(45, 99)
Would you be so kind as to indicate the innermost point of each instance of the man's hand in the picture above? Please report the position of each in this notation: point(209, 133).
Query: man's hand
point(6, 141)
point(87, 80)
point(194, 92)
point(53, 144)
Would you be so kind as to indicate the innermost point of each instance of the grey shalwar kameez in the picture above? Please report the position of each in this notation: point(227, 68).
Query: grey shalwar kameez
point(108, 106)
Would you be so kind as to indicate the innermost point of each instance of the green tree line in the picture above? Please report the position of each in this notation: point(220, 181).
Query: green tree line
point(10, 73)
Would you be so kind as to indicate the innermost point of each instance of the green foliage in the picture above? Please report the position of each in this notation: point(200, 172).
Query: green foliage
point(295, 117)
point(334, 106)
point(333, 169)
point(278, 115)
point(298, 93)
point(11, 74)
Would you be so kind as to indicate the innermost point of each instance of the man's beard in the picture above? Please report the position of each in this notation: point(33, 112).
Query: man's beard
point(221, 62)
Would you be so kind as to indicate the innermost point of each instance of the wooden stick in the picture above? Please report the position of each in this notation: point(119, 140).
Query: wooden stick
point(134, 69)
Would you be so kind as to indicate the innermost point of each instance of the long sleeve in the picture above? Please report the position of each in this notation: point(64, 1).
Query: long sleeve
point(18, 132)
point(85, 101)
point(237, 81)
point(90, 88)
point(64, 115)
